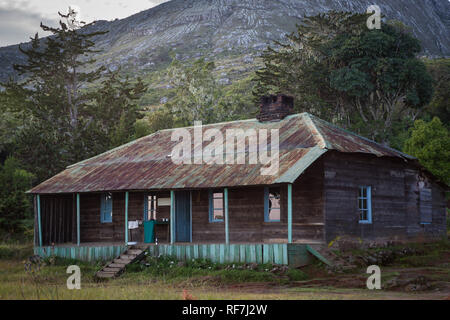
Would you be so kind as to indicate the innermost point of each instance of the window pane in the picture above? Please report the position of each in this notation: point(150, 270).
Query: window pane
point(106, 208)
point(273, 205)
point(218, 204)
point(218, 215)
point(274, 214)
point(363, 204)
point(363, 215)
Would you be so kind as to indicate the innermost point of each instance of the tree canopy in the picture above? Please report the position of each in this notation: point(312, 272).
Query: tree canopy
point(67, 113)
point(338, 69)
point(430, 143)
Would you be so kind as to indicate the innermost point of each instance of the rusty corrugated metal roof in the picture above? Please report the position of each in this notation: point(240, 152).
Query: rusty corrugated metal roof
point(144, 164)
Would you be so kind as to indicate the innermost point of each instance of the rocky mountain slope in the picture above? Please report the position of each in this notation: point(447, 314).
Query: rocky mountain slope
point(236, 29)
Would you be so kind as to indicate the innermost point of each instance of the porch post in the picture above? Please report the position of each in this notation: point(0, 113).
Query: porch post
point(78, 220)
point(227, 234)
point(126, 218)
point(38, 205)
point(290, 212)
point(172, 217)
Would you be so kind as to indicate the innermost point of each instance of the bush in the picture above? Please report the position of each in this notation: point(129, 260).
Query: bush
point(15, 251)
point(296, 275)
point(15, 205)
point(170, 268)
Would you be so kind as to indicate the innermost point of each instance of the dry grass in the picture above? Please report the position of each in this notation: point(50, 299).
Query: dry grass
point(50, 283)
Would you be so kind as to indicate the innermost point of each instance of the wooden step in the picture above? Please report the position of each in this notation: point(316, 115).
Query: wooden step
point(111, 269)
point(122, 261)
point(134, 252)
point(128, 257)
point(117, 265)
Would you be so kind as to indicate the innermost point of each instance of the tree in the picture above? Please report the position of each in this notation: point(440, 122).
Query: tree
point(196, 92)
point(197, 96)
point(14, 203)
point(440, 103)
point(430, 143)
point(340, 70)
point(114, 109)
point(70, 114)
point(54, 98)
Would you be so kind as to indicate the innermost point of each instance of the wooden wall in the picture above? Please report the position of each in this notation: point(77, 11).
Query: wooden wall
point(308, 205)
point(246, 214)
point(92, 230)
point(395, 211)
point(324, 207)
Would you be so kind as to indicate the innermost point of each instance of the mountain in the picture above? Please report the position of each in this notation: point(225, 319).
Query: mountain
point(233, 32)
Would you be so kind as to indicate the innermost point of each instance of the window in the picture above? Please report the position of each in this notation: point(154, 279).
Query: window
point(150, 205)
point(106, 208)
point(365, 204)
point(426, 206)
point(272, 204)
point(216, 206)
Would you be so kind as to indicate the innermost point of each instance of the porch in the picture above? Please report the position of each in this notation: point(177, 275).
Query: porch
point(188, 224)
point(281, 254)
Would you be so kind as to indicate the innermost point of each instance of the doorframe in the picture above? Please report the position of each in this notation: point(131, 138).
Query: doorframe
point(190, 209)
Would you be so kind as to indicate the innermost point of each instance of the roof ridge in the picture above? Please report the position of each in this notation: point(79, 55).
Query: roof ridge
point(310, 123)
point(311, 116)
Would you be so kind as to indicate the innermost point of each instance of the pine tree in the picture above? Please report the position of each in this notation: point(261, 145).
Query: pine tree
point(72, 114)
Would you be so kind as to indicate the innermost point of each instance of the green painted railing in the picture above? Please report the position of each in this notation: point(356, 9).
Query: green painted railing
point(295, 255)
point(81, 253)
point(224, 253)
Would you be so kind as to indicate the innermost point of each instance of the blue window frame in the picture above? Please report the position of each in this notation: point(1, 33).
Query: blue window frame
point(426, 206)
point(272, 204)
point(106, 208)
point(365, 204)
point(216, 205)
point(150, 205)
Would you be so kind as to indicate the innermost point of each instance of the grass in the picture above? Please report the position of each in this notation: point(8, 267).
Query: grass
point(172, 270)
point(15, 250)
point(167, 279)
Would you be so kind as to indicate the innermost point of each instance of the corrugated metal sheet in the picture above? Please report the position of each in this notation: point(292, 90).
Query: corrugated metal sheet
point(144, 164)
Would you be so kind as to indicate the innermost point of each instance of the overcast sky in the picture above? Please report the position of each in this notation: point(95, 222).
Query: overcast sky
point(20, 19)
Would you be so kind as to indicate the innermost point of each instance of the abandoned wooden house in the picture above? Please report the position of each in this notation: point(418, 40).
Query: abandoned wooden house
point(329, 183)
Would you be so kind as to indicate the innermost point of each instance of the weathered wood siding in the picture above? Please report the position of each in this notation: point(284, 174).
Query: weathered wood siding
point(395, 202)
point(91, 228)
point(308, 206)
point(246, 213)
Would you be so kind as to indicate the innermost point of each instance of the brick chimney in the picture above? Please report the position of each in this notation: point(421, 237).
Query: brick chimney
point(275, 108)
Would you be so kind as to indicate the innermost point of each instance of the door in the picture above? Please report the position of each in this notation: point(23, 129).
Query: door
point(183, 216)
